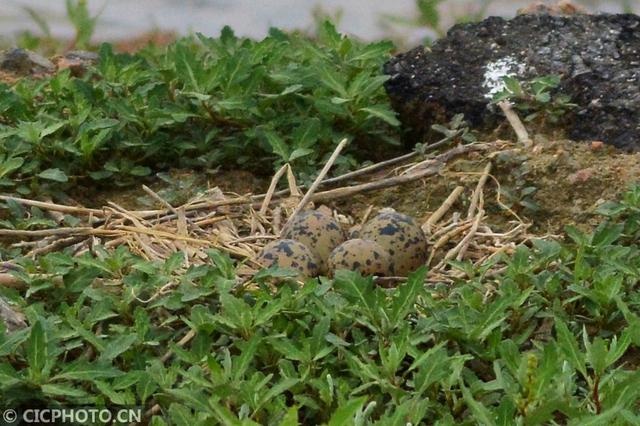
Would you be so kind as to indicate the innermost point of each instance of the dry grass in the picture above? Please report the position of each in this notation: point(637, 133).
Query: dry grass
point(242, 225)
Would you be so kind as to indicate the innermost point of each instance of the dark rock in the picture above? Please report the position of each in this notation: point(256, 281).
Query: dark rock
point(24, 62)
point(597, 56)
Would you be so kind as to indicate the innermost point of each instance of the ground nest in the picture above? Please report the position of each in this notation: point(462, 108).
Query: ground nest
point(461, 194)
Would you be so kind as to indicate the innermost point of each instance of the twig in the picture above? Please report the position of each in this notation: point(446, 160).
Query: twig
point(294, 191)
point(391, 162)
point(211, 220)
point(55, 245)
point(366, 215)
point(516, 124)
point(477, 193)
point(162, 234)
point(56, 215)
point(444, 239)
point(53, 206)
point(254, 238)
point(11, 281)
point(438, 163)
point(168, 205)
point(464, 244)
point(186, 339)
point(444, 208)
point(374, 167)
point(272, 188)
point(316, 183)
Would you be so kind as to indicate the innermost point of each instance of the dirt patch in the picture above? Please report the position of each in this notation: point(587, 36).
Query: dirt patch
point(553, 184)
point(176, 187)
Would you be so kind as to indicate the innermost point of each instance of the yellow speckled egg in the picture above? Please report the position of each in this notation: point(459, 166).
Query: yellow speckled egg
point(401, 237)
point(318, 231)
point(289, 254)
point(364, 256)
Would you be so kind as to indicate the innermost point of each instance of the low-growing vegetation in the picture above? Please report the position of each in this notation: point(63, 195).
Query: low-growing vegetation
point(539, 99)
point(202, 102)
point(552, 339)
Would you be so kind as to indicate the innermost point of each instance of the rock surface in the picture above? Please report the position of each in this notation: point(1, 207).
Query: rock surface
point(24, 62)
point(597, 56)
point(19, 63)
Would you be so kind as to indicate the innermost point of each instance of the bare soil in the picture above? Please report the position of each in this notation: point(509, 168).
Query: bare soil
point(571, 179)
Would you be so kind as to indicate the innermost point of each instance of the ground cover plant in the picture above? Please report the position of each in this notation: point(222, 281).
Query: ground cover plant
point(553, 339)
point(202, 102)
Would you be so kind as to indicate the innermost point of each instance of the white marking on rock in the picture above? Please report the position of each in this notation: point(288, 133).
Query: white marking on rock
point(496, 71)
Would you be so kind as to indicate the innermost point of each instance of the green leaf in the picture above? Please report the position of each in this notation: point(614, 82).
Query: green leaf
point(382, 112)
point(480, 412)
point(578, 237)
point(10, 165)
point(513, 85)
point(54, 174)
point(332, 80)
point(345, 413)
point(374, 51)
point(299, 153)
point(8, 375)
point(140, 171)
point(606, 234)
point(291, 89)
point(225, 416)
point(569, 347)
point(307, 133)
point(9, 344)
point(356, 288)
point(84, 370)
point(117, 346)
point(51, 129)
point(406, 295)
point(429, 15)
point(145, 387)
point(277, 144)
point(596, 354)
point(182, 416)
point(291, 417)
point(63, 390)
point(37, 350)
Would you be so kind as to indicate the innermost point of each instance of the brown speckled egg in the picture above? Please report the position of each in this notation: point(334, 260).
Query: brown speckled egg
point(364, 256)
point(401, 237)
point(289, 254)
point(318, 231)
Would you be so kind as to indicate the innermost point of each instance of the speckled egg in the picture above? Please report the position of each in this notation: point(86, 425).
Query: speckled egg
point(318, 231)
point(401, 237)
point(289, 254)
point(364, 256)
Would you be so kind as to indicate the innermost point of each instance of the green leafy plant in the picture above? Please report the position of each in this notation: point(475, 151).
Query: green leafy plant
point(202, 102)
point(538, 98)
point(549, 339)
point(457, 127)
